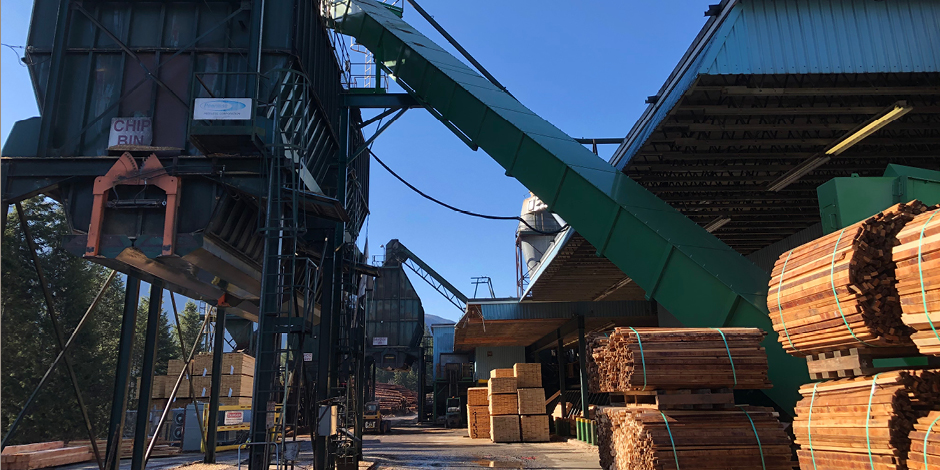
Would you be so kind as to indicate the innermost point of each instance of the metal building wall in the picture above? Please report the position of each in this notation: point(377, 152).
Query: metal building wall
point(443, 336)
point(496, 357)
point(767, 256)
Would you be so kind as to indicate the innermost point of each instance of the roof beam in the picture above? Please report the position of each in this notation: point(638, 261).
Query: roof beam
point(822, 91)
point(793, 111)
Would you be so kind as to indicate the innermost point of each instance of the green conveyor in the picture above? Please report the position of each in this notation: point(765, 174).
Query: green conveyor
point(695, 276)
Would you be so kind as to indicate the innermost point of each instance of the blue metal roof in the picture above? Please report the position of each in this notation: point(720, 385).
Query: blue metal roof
point(800, 37)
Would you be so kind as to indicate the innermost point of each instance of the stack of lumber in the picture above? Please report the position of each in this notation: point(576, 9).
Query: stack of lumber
point(534, 428)
point(925, 443)
point(638, 439)
point(855, 264)
point(679, 358)
point(531, 402)
point(237, 372)
point(43, 455)
point(395, 399)
point(863, 422)
point(478, 413)
point(505, 428)
point(920, 236)
point(160, 449)
point(528, 375)
point(595, 341)
point(503, 406)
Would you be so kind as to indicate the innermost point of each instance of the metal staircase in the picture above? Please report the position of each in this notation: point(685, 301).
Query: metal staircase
point(692, 274)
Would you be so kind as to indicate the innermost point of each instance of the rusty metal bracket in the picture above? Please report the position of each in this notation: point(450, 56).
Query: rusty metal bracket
point(126, 172)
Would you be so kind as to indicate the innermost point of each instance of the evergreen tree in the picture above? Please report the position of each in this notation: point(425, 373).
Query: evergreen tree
point(167, 345)
point(27, 340)
point(190, 324)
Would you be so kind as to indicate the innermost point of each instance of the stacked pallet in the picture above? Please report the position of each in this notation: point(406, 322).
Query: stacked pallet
point(679, 358)
point(863, 422)
point(925, 443)
point(918, 273)
point(839, 291)
point(478, 413)
point(645, 439)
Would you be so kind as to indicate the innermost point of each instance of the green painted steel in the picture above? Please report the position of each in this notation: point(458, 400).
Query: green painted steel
point(695, 276)
point(845, 201)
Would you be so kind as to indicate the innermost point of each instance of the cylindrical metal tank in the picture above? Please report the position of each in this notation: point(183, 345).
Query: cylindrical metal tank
point(394, 321)
point(532, 243)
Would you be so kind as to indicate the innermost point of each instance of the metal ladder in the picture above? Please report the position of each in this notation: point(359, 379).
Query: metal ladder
point(285, 278)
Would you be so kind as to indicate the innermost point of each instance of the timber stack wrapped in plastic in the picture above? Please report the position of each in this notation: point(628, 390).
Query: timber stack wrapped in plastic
point(864, 422)
point(917, 257)
point(839, 291)
point(634, 359)
point(649, 439)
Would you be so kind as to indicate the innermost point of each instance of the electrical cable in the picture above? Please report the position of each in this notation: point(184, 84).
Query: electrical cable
point(465, 212)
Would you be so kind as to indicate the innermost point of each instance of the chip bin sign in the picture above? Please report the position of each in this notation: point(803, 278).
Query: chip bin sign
point(222, 109)
point(130, 131)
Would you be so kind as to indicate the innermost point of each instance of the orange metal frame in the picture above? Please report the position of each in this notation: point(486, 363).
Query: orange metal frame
point(126, 172)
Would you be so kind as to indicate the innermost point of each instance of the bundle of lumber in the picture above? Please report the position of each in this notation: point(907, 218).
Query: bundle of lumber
point(680, 358)
point(643, 439)
point(918, 272)
point(43, 455)
point(863, 422)
point(595, 341)
point(839, 291)
point(395, 399)
point(925, 443)
point(160, 449)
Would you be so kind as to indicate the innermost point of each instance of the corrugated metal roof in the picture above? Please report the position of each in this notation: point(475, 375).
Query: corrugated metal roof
point(799, 37)
point(515, 310)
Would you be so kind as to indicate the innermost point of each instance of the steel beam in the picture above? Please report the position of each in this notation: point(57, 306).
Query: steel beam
point(146, 375)
point(60, 338)
point(382, 100)
point(215, 386)
point(50, 99)
point(122, 374)
point(582, 360)
point(324, 352)
point(562, 379)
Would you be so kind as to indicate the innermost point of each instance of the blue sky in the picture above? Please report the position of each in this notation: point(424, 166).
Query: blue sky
point(585, 66)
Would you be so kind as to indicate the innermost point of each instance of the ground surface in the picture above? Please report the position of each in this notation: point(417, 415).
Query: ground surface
point(410, 446)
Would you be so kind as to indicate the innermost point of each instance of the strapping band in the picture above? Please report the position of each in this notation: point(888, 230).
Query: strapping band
point(832, 282)
point(759, 447)
point(671, 441)
point(874, 383)
point(642, 358)
point(809, 426)
point(929, 428)
point(780, 307)
point(920, 260)
point(733, 373)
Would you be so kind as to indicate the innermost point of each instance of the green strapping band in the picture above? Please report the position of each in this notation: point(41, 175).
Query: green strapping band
point(832, 283)
point(874, 383)
point(929, 428)
point(809, 426)
point(671, 441)
point(779, 307)
point(920, 260)
point(733, 373)
point(642, 358)
point(759, 447)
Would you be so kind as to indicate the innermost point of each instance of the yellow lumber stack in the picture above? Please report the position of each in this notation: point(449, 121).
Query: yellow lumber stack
point(863, 422)
point(534, 428)
point(528, 375)
point(478, 422)
point(917, 257)
point(505, 428)
point(515, 403)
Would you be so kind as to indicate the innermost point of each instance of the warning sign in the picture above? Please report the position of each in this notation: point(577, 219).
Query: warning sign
point(234, 417)
point(380, 341)
point(130, 131)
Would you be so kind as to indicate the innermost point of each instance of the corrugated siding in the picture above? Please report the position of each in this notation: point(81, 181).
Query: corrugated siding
point(827, 36)
point(541, 310)
point(443, 336)
point(767, 256)
point(504, 357)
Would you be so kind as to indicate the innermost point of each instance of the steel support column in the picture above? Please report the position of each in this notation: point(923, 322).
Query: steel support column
point(582, 359)
point(146, 375)
point(324, 353)
point(422, 384)
point(51, 97)
point(122, 374)
point(212, 421)
point(562, 385)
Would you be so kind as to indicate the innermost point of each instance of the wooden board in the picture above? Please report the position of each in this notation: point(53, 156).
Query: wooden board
point(531, 401)
point(504, 404)
point(852, 362)
point(528, 375)
point(501, 373)
point(693, 399)
point(502, 385)
point(505, 428)
point(477, 396)
point(534, 428)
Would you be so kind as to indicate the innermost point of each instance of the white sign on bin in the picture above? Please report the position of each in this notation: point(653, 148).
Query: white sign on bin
point(130, 131)
point(222, 109)
point(308, 357)
point(234, 417)
point(380, 341)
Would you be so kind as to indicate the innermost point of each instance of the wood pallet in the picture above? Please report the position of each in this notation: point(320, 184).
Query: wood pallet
point(695, 399)
point(853, 362)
